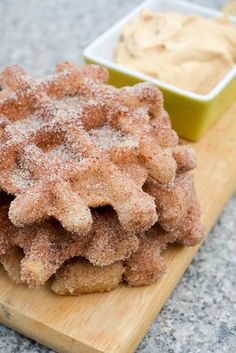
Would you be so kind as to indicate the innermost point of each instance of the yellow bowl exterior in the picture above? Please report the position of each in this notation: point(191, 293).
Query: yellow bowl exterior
point(190, 117)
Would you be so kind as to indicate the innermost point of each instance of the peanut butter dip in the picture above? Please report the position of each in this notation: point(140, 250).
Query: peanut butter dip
point(230, 8)
point(190, 52)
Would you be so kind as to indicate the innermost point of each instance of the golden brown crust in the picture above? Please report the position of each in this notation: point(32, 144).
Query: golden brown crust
point(80, 277)
point(11, 264)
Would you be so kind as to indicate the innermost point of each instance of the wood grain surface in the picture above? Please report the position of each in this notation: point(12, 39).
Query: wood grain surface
point(116, 322)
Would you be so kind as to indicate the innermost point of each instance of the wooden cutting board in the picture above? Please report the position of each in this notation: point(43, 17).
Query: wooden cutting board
point(116, 322)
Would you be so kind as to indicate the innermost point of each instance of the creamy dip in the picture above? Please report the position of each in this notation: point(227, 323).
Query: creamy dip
point(230, 8)
point(190, 52)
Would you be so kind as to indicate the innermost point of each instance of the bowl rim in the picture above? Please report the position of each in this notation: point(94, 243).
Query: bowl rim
point(88, 54)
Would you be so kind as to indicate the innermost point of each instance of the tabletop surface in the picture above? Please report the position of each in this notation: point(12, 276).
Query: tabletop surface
point(200, 316)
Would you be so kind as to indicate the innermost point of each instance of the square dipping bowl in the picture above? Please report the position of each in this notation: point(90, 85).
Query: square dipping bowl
point(191, 113)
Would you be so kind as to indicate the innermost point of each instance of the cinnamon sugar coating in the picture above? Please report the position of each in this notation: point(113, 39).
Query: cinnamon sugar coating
point(70, 142)
point(147, 265)
point(47, 246)
point(185, 157)
point(143, 267)
point(172, 200)
point(179, 222)
point(136, 259)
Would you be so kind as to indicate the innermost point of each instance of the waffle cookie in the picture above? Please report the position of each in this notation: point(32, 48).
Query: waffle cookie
point(106, 257)
point(46, 246)
point(70, 142)
point(98, 184)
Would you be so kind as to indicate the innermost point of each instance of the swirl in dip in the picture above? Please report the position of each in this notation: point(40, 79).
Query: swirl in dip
point(190, 52)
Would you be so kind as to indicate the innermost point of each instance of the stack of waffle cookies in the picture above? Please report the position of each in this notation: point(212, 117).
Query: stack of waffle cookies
point(94, 182)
